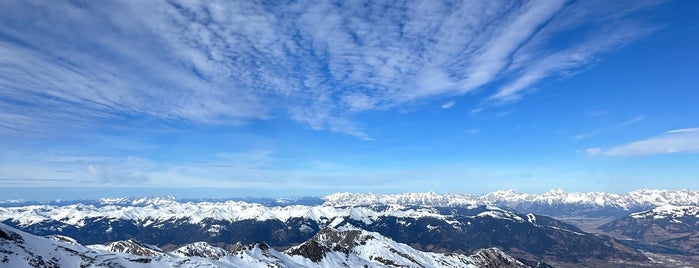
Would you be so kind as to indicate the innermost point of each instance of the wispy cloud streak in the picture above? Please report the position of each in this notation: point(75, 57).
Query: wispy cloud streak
point(636, 119)
point(553, 52)
point(674, 141)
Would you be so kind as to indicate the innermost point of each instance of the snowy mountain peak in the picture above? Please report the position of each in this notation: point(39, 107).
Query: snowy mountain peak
point(345, 237)
point(63, 238)
point(404, 199)
point(330, 247)
point(131, 246)
point(509, 195)
point(200, 249)
point(138, 201)
point(494, 257)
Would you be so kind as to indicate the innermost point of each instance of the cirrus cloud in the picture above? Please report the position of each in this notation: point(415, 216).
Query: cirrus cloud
point(674, 141)
point(317, 62)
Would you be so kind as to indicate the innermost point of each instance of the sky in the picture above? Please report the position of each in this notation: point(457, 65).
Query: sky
point(294, 98)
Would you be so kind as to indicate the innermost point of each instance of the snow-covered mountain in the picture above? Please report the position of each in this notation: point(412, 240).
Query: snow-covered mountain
point(131, 246)
point(673, 213)
point(137, 201)
point(19, 249)
point(196, 212)
point(665, 228)
point(664, 222)
point(444, 229)
point(200, 249)
point(425, 221)
point(347, 244)
point(554, 202)
point(343, 247)
point(155, 200)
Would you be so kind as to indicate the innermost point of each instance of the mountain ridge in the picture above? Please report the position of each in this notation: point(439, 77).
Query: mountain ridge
point(425, 221)
point(637, 198)
point(19, 249)
point(435, 229)
point(669, 228)
point(630, 200)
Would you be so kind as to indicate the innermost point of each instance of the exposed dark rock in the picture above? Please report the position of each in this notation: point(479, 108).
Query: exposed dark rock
point(311, 250)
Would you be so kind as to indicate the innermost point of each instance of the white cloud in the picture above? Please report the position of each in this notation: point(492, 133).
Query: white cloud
point(53, 169)
point(683, 130)
point(319, 62)
point(674, 141)
point(496, 53)
point(535, 60)
point(448, 104)
point(593, 151)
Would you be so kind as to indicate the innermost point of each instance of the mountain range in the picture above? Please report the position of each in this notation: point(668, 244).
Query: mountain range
point(343, 247)
point(522, 226)
point(552, 203)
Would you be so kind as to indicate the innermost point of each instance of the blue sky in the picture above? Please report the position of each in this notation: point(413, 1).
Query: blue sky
point(258, 98)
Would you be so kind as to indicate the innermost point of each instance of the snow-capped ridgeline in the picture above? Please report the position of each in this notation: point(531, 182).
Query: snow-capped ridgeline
point(343, 247)
point(668, 211)
point(146, 211)
point(640, 198)
point(19, 249)
point(409, 199)
point(200, 249)
point(333, 247)
point(138, 201)
point(159, 200)
point(130, 246)
point(196, 212)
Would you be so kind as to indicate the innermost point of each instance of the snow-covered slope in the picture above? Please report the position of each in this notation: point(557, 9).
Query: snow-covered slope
point(131, 246)
point(345, 247)
point(19, 249)
point(668, 211)
point(347, 244)
point(200, 249)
